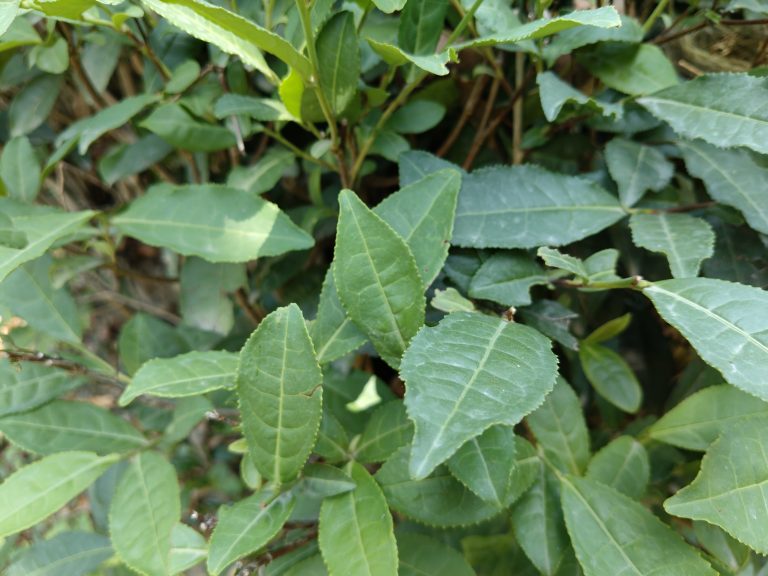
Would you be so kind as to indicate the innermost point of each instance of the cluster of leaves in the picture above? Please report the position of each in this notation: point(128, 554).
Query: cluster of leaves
point(555, 363)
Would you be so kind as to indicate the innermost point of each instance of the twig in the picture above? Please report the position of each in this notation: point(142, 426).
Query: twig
point(517, 112)
point(480, 135)
point(254, 313)
point(664, 39)
point(74, 59)
point(69, 366)
point(466, 113)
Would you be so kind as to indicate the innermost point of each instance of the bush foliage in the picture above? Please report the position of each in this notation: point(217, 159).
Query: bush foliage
point(383, 287)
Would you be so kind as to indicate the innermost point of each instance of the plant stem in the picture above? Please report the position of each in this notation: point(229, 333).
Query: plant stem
point(657, 12)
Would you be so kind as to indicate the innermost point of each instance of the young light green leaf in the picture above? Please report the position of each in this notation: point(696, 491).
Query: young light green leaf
point(41, 225)
point(726, 323)
point(507, 278)
point(723, 109)
point(469, 372)
point(387, 430)
point(631, 68)
point(623, 465)
point(179, 129)
point(214, 222)
point(261, 109)
point(25, 385)
point(279, 388)
point(610, 329)
point(699, 419)
point(527, 206)
point(730, 488)
point(61, 426)
point(732, 177)
point(394, 56)
point(611, 376)
point(556, 259)
point(8, 11)
point(377, 279)
point(247, 526)
point(188, 548)
point(204, 300)
point(561, 430)
point(567, 41)
point(450, 300)
point(338, 60)
point(37, 490)
point(421, 24)
point(70, 553)
point(265, 174)
point(389, 6)
point(633, 541)
point(484, 464)
point(144, 511)
point(20, 169)
point(231, 33)
point(422, 213)
point(636, 168)
point(684, 239)
point(186, 375)
point(419, 555)
point(556, 95)
point(364, 543)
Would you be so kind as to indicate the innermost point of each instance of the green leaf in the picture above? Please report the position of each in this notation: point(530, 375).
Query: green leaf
point(204, 300)
point(420, 555)
point(41, 225)
point(723, 109)
point(632, 69)
point(556, 95)
point(633, 541)
point(389, 6)
point(146, 337)
point(323, 481)
point(8, 11)
point(61, 426)
point(507, 278)
point(684, 239)
point(551, 319)
point(469, 372)
point(126, 160)
point(216, 223)
point(724, 321)
point(71, 9)
point(20, 169)
point(387, 430)
point(177, 127)
point(279, 388)
point(28, 293)
point(527, 206)
point(332, 440)
point(636, 168)
point(25, 385)
point(422, 213)
point(715, 541)
point(605, 17)
point(247, 526)
point(261, 109)
point(186, 375)
point(32, 105)
point(37, 490)
point(144, 511)
point(484, 464)
point(338, 57)
point(611, 376)
point(364, 543)
point(420, 26)
point(187, 414)
point(188, 548)
point(265, 174)
point(732, 177)
point(610, 329)
point(730, 488)
point(70, 553)
point(622, 465)
point(377, 279)
point(561, 430)
point(569, 40)
point(434, 63)
point(416, 164)
point(450, 300)
point(231, 33)
point(416, 117)
point(699, 419)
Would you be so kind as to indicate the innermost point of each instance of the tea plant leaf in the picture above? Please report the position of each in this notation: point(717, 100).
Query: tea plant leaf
point(419, 555)
point(214, 222)
point(556, 95)
point(551, 319)
point(507, 278)
point(188, 548)
point(261, 109)
point(179, 129)
point(717, 542)
point(469, 372)
point(144, 510)
point(231, 33)
point(8, 11)
point(364, 543)
point(721, 321)
point(394, 56)
point(684, 239)
point(633, 541)
point(25, 385)
point(610, 329)
point(338, 60)
point(561, 430)
point(247, 526)
point(484, 464)
point(61, 426)
point(723, 109)
point(565, 42)
point(622, 465)
point(279, 388)
point(421, 24)
point(611, 376)
point(20, 169)
point(527, 207)
point(732, 177)
point(387, 430)
point(730, 488)
point(70, 553)
point(323, 481)
point(186, 375)
point(422, 213)
point(263, 175)
point(37, 490)
point(377, 279)
point(636, 168)
point(42, 226)
point(389, 6)
point(699, 419)
point(631, 68)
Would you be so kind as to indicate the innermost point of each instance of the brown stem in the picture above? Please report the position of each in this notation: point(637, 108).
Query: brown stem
point(254, 313)
point(74, 59)
point(480, 135)
point(664, 39)
point(60, 363)
point(466, 114)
